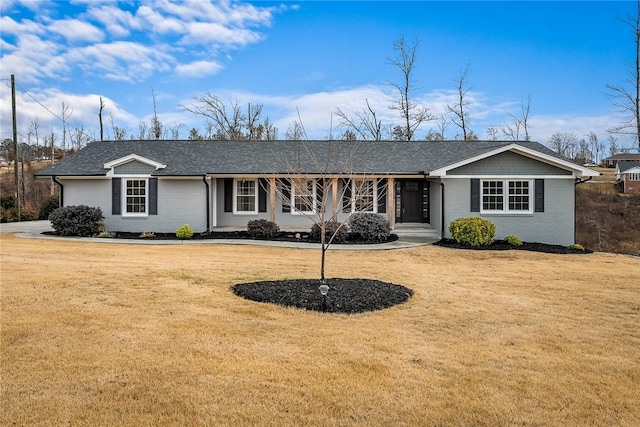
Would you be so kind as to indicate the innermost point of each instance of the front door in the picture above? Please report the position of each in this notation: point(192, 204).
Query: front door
point(411, 199)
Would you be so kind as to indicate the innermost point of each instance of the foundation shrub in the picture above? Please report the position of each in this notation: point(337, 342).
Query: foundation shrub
point(78, 220)
point(369, 227)
point(336, 230)
point(473, 231)
point(513, 240)
point(262, 229)
point(184, 232)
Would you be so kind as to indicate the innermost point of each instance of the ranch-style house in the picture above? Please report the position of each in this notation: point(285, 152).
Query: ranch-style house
point(522, 187)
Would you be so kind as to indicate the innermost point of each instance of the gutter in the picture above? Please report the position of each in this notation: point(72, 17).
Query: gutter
point(442, 210)
point(204, 179)
point(582, 181)
point(61, 197)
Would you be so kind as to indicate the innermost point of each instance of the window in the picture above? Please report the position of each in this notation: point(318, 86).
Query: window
point(506, 196)
point(135, 196)
point(246, 196)
point(364, 195)
point(634, 176)
point(303, 195)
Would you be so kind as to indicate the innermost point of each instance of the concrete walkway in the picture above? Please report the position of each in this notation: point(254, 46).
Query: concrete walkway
point(34, 230)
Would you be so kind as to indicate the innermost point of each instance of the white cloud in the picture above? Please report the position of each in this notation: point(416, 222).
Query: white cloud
point(75, 30)
point(198, 69)
point(117, 22)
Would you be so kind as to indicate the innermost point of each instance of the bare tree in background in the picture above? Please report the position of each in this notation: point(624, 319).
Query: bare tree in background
point(519, 124)
point(627, 98)
point(596, 147)
point(66, 112)
point(412, 114)
point(295, 132)
point(156, 126)
point(119, 134)
point(564, 143)
point(364, 123)
point(460, 110)
point(100, 119)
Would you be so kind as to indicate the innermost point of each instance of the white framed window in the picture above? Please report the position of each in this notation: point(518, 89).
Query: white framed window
point(136, 200)
point(245, 200)
point(507, 195)
point(303, 196)
point(634, 177)
point(364, 195)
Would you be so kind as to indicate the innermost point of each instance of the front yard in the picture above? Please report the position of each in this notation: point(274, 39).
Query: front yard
point(96, 334)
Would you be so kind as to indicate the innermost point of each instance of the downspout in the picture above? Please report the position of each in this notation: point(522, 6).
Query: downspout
point(61, 196)
point(204, 179)
point(442, 209)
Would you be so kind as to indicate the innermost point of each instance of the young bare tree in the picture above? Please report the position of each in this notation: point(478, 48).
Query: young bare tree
point(119, 134)
point(100, 119)
point(295, 132)
point(66, 112)
point(412, 114)
point(322, 186)
point(519, 124)
point(627, 96)
point(564, 143)
point(156, 126)
point(460, 110)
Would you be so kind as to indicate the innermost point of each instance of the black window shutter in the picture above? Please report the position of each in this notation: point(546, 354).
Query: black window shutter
point(286, 194)
point(346, 195)
point(116, 189)
point(263, 184)
point(539, 190)
point(228, 195)
point(382, 195)
point(475, 195)
point(153, 196)
point(319, 193)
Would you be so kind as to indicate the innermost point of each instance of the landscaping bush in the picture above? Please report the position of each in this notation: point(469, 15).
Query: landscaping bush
point(337, 230)
point(513, 240)
point(262, 229)
point(50, 204)
point(78, 220)
point(369, 227)
point(473, 231)
point(184, 232)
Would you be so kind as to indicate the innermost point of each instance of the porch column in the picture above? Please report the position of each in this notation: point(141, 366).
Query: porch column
point(334, 198)
point(272, 199)
point(391, 207)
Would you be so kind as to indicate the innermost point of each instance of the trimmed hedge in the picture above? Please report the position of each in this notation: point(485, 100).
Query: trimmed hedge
point(473, 231)
point(369, 227)
point(336, 230)
point(262, 229)
point(78, 220)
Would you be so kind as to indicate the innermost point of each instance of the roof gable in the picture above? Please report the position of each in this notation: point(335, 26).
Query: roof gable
point(133, 158)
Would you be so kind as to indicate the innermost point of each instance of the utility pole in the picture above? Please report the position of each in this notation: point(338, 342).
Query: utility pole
point(15, 145)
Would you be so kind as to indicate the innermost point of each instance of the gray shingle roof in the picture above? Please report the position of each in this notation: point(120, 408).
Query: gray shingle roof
point(625, 165)
point(187, 157)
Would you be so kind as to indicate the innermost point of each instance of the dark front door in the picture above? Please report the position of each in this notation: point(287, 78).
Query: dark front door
point(411, 199)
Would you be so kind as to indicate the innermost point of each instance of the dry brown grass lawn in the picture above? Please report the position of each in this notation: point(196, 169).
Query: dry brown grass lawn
point(111, 334)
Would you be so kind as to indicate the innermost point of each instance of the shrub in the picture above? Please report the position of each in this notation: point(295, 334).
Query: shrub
point(107, 234)
point(577, 247)
point(8, 202)
point(184, 232)
point(336, 230)
point(370, 227)
point(78, 220)
point(262, 229)
point(472, 231)
point(50, 204)
point(513, 240)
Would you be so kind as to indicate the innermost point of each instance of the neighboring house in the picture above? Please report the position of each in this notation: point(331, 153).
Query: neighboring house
point(611, 162)
point(628, 175)
point(522, 187)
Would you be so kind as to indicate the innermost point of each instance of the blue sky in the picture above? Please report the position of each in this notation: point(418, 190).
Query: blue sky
point(310, 58)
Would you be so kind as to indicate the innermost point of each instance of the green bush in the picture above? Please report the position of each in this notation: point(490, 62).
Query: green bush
point(513, 240)
point(78, 220)
point(262, 229)
point(577, 247)
point(7, 202)
point(336, 230)
point(107, 234)
point(370, 227)
point(50, 204)
point(184, 232)
point(473, 231)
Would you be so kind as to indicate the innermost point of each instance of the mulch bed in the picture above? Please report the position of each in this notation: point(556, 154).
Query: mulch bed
point(348, 296)
point(503, 245)
point(243, 235)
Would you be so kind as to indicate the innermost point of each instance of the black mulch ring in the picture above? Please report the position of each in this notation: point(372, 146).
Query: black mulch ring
point(503, 245)
point(348, 296)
